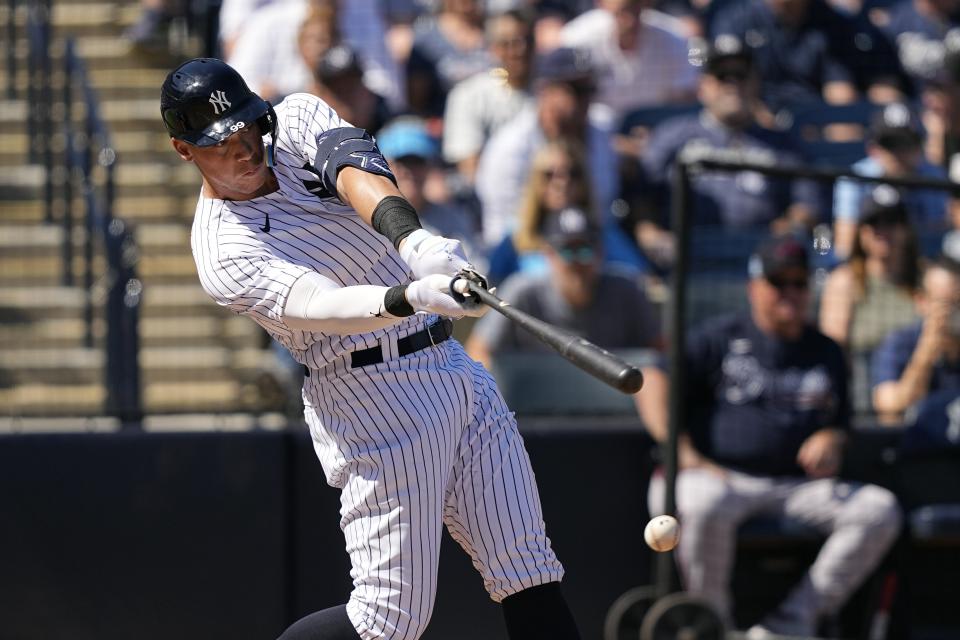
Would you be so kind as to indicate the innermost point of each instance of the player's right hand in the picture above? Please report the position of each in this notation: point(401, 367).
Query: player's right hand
point(432, 295)
point(427, 254)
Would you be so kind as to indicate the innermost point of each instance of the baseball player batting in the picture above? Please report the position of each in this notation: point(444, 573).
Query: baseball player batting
point(300, 226)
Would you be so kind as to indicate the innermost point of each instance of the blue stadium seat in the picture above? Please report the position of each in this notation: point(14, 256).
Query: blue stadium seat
point(650, 117)
point(546, 384)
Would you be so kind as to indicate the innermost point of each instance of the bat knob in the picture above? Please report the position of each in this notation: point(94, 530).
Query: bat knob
point(459, 291)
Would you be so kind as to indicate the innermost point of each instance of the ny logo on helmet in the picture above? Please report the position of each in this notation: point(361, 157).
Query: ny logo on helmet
point(219, 101)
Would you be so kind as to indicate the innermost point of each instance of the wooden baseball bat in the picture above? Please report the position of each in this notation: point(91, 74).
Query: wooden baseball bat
point(598, 362)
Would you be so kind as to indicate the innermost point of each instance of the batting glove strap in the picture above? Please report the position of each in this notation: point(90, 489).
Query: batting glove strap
point(428, 254)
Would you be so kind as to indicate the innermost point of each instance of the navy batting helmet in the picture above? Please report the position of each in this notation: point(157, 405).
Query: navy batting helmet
point(204, 101)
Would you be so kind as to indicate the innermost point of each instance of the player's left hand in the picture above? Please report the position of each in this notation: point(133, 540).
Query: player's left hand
point(820, 455)
point(426, 254)
point(432, 294)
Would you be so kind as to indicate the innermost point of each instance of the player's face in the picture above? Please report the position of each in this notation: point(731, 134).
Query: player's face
point(235, 168)
point(779, 302)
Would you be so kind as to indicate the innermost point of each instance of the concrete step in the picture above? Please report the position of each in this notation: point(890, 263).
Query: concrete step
point(158, 364)
point(27, 303)
point(78, 15)
point(232, 332)
point(80, 401)
point(136, 209)
point(43, 270)
point(143, 145)
point(109, 84)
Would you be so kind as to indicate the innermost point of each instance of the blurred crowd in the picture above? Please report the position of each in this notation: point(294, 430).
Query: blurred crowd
point(544, 134)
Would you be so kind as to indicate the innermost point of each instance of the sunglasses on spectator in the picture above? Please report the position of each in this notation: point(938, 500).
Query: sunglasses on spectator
point(783, 284)
point(583, 89)
point(513, 42)
point(582, 254)
point(731, 76)
point(572, 174)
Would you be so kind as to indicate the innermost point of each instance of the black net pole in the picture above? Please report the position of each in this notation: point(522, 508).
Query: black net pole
point(676, 325)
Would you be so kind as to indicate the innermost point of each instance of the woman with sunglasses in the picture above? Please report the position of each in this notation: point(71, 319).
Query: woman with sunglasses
point(872, 293)
point(557, 180)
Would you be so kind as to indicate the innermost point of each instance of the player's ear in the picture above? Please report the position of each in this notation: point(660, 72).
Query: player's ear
point(183, 149)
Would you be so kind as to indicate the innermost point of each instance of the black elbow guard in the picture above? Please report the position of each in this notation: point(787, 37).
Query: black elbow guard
point(348, 147)
point(395, 218)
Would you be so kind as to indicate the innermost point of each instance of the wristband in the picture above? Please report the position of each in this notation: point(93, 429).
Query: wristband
point(395, 218)
point(395, 302)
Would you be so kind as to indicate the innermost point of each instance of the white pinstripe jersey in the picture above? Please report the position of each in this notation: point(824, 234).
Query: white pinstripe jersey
point(250, 252)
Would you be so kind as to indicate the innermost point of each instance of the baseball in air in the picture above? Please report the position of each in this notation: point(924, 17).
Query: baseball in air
point(662, 533)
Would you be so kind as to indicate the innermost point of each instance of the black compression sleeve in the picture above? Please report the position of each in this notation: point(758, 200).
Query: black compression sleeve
point(395, 302)
point(395, 218)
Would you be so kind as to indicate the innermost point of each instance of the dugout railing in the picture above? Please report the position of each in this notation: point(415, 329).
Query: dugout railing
point(78, 194)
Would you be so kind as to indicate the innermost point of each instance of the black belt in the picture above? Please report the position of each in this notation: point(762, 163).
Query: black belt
point(432, 335)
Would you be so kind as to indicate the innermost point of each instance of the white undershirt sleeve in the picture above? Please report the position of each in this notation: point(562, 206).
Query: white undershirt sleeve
point(317, 303)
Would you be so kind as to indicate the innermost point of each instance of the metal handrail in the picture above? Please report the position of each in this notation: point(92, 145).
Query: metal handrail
point(88, 154)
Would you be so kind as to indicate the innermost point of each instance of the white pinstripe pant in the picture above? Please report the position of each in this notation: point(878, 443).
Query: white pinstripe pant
point(861, 522)
point(414, 443)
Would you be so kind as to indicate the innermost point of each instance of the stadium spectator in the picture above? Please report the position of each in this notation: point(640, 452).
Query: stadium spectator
point(447, 48)
point(894, 148)
point(478, 106)
point(806, 51)
point(917, 29)
point(338, 80)
point(575, 293)
point(150, 29)
point(234, 15)
point(639, 54)
point(871, 294)
point(564, 85)
point(940, 116)
point(413, 155)
point(766, 426)
point(924, 357)
point(266, 51)
point(746, 199)
point(557, 180)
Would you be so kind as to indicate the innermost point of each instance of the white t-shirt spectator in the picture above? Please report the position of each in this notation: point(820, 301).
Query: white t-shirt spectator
point(266, 52)
point(476, 108)
point(657, 71)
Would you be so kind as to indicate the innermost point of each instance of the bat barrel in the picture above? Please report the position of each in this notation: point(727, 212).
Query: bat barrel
point(598, 362)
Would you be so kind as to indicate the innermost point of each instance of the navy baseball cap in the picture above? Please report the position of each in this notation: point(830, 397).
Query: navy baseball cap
point(895, 127)
point(570, 227)
point(883, 204)
point(338, 62)
point(726, 52)
point(775, 255)
point(564, 65)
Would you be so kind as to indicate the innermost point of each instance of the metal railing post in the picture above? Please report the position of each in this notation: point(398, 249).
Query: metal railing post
point(676, 325)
